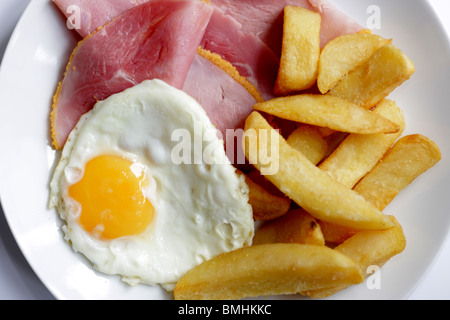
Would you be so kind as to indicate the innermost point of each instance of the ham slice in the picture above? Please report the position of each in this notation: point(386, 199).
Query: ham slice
point(243, 32)
point(226, 102)
point(94, 13)
point(245, 51)
point(131, 48)
point(246, 33)
point(265, 18)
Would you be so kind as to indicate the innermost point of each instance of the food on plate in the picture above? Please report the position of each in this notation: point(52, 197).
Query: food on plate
point(102, 65)
point(334, 234)
point(375, 79)
point(410, 157)
point(297, 226)
point(232, 71)
point(358, 154)
point(310, 187)
point(251, 57)
point(267, 269)
point(226, 101)
point(139, 203)
point(120, 156)
point(264, 18)
point(98, 14)
point(266, 205)
point(345, 54)
point(369, 249)
point(329, 112)
point(300, 50)
point(309, 141)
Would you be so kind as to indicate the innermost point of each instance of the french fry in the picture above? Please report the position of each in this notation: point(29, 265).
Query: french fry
point(266, 206)
point(327, 111)
point(410, 157)
point(297, 226)
point(300, 50)
point(308, 140)
point(375, 79)
point(358, 154)
point(310, 187)
point(368, 248)
point(333, 234)
point(354, 158)
point(334, 141)
point(270, 269)
point(344, 54)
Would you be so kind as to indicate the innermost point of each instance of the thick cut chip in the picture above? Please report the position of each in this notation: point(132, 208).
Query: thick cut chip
point(300, 50)
point(327, 111)
point(310, 187)
point(269, 269)
point(333, 234)
point(345, 54)
point(358, 154)
point(297, 226)
point(367, 249)
point(266, 206)
point(309, 141)
point(410, 157)
point(375, 79)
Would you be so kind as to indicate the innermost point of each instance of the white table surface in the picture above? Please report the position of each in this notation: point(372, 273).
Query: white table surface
point(19, 282)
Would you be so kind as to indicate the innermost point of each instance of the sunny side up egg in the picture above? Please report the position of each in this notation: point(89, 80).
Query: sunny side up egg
point(129, 207)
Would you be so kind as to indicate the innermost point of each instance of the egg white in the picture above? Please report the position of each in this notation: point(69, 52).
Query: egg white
point(201, 210)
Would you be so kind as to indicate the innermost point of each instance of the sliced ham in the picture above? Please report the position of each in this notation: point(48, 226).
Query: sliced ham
point(243, 32)
point(94, 13)
point(265, 18)
point(226, 102)
point(128, 50)
point(251, 57)
point(247, 33)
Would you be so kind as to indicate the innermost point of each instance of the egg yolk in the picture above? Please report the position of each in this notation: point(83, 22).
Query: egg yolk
point(111, 198)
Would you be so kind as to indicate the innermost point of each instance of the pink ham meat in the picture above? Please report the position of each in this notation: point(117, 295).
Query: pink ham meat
point(98, 13)
point(158, 39)
point(265, 18)
point(246, 52)
point(243, 32)
point(226, 102)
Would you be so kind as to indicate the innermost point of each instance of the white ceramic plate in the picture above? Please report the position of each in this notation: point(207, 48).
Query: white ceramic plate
point(34, 63)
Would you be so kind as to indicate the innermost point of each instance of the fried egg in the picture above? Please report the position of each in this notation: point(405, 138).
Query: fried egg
point(132, 210)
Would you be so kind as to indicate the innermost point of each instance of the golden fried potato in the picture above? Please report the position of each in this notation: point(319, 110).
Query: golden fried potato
point(410, 157)
point(297, 226)
point(300, 50)
point(327, 111)
point(375, 79)
point(358, 154)
point(266, 206)
point(269, 269)
point(310, 187)
point(344, 54)
point(368, 248)
point(308, 140)
point(333, 234)
point(334, 141)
